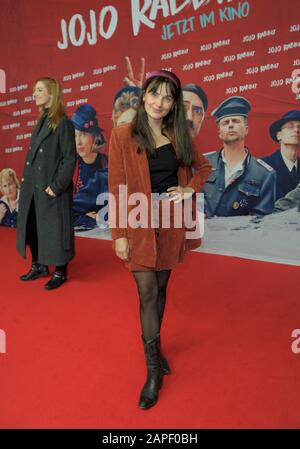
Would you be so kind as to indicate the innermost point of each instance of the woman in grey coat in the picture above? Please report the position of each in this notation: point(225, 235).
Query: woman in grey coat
point(45, 207)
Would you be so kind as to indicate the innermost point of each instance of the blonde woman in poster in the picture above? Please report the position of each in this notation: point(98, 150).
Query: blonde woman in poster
point(154, 155)
point(10, 189)
point(45, 221)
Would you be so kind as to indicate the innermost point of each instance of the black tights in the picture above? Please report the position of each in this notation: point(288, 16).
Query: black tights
point(152, 289)
point(31, 232)
point(32, 239)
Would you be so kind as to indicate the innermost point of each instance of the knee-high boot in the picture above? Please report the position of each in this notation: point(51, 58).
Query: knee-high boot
point(164, 364)
point(149, 393)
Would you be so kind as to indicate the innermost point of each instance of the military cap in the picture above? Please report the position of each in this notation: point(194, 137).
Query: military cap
point(232, 106)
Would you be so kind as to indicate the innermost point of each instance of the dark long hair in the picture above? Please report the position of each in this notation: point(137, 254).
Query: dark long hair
point(174, 125)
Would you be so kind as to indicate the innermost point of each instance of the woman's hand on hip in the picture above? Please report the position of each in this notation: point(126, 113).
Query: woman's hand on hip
point(122, 248)
point(178, 193)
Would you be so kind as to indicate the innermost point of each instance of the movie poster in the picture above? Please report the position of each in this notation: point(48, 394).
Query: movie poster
point(221, 49)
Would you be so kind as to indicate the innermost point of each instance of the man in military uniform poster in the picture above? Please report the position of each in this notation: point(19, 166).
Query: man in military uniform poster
point(195, 102)
point(239, 183)
point(285, 161)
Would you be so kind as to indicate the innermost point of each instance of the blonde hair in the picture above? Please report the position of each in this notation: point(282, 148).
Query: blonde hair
point(57, 108)
point(6, 174)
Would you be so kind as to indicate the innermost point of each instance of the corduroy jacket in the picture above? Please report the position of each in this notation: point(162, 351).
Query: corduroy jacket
point(128, 166)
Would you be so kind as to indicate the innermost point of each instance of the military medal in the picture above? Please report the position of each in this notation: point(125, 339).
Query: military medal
point(243, 203)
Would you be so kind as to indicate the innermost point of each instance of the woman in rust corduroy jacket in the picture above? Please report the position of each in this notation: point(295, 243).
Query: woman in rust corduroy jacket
point(152, 157)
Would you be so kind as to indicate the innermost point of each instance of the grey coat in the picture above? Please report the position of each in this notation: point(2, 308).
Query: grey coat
point(50, 162)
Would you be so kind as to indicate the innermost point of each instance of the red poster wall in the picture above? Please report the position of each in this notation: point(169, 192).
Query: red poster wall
point(229, 47)
point(248, 48)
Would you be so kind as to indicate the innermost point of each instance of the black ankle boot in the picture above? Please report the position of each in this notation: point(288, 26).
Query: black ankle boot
point(36, 271)
point(56, 281)
point(149, 393)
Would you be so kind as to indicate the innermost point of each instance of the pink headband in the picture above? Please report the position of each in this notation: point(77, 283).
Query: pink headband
point(164, 74)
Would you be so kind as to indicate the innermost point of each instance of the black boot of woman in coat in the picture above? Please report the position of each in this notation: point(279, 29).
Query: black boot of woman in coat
point(36, 271)
point(59, 277)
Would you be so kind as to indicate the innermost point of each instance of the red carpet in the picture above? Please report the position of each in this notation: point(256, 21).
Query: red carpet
point(74, 357)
